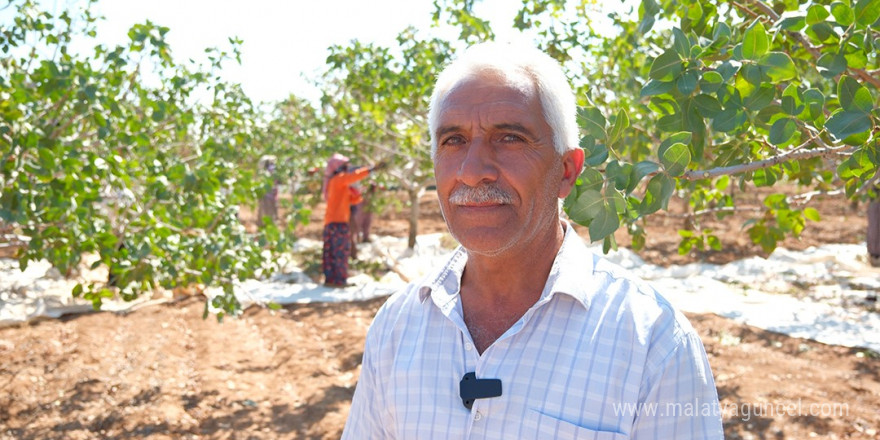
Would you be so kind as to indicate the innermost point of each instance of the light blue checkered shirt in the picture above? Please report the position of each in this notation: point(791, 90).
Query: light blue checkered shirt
point(600, 356)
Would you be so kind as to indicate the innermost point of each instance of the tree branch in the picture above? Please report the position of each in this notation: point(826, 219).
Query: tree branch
point(803, 199)
point(746, 10)
point(709, 211)
point(763, 7)
point(796, 154)
point(799, 199)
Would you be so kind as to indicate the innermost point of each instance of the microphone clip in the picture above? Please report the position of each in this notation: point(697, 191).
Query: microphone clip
point(470, 389)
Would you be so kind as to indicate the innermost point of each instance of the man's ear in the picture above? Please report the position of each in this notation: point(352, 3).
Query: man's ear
point(572, 165)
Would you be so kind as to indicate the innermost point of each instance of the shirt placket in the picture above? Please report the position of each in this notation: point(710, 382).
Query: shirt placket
point(479, 411)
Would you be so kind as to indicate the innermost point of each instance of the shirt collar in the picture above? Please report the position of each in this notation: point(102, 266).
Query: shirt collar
point(573, 263)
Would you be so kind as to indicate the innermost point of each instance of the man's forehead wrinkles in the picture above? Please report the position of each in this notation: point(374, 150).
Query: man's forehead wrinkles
point(464, 114)
point(484, 107)
point(443, 129)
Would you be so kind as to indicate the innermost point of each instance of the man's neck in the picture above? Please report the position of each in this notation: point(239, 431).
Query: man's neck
point(497, 290)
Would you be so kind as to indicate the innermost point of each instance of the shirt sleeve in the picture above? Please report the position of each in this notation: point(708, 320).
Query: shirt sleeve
point(681, 400)
point(354, 176)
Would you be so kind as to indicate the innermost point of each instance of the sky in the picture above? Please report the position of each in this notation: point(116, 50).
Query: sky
point(284, 41)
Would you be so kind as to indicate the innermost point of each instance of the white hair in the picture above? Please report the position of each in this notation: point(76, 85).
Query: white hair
point(513, 64)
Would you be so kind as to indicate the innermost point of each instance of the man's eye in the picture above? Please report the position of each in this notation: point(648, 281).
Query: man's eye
point(511, 138)
point(453, 140)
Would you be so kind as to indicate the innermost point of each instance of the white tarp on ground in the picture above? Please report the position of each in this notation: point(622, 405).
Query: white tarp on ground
point(825, 293)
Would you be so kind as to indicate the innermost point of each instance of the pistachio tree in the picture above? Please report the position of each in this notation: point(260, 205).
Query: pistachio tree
point(110, 154)
point(292, 132)
point(378, 98)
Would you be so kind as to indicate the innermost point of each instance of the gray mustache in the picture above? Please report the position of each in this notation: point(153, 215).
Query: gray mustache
point(464, 195)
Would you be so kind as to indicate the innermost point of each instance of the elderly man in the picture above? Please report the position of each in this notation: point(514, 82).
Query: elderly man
point(524, 333)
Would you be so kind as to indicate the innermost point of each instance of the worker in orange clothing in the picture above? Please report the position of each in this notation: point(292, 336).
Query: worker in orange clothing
point(337, 234)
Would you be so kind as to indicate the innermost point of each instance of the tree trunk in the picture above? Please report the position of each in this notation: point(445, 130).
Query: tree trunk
point(874, 233)
point(414, 195)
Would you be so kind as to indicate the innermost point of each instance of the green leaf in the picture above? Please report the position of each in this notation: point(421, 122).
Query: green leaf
point(714, 242)
point(814, 103)
point(645, 25)
point(721, 32)
point(778, 66)
point(618, 173)
point(823, 32)
point(846, 123)
point(764, 177)
point(860, 138)
point(695, 11)
point(640, 170)
point(782, 131)
point(743, 85)
point(728, 120)
point(609, 244)
point(592, 121)
point(670, 123)
point(727, 70)
point(47, 158)
point(605, 222)
point(853, 96)
point(586, 207)
point(659, 190)
point(761, 98)
point(687, 83)
point(816, 14)
point(676, 159)
point(753, 74)
point(620, 124)
point(595, 152)
point(755, 42)
point(856, 59)
point(711, 81)
point(592, 180)
point(793, 23)
point(867, 12)
point(792, 101)
point(842, 13)
point(812, 214)
point(707, 105)
point(682, 137)
point(831, 65)
point(589, 180)
point(654, 87)
point(857, 165)
point(666, 67)
point(597, 155)
point(680, 43)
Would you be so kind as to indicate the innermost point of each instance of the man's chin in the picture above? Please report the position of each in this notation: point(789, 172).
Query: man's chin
point(484, 241)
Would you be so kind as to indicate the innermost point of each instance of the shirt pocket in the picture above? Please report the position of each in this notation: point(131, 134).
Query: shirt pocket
point(542, 426)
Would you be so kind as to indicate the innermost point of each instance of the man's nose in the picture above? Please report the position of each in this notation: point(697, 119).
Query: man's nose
point(479, 163)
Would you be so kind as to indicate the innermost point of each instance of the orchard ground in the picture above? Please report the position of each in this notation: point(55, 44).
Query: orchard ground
point(163, 372)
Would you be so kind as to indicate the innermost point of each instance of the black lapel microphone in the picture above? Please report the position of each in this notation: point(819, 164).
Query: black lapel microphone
point(470, 388)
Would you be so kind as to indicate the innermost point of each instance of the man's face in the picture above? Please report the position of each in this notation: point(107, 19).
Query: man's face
point(498, 175)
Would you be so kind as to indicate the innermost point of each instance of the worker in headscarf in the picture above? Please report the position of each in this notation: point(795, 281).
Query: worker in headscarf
point(338, 177)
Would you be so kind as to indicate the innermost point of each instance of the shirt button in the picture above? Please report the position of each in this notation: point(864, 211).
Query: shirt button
point(477, 416)
point(468, 346)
